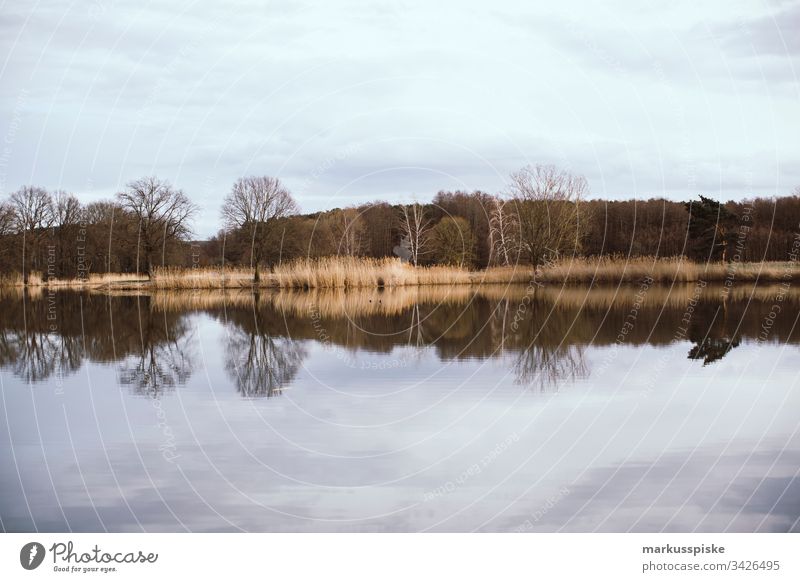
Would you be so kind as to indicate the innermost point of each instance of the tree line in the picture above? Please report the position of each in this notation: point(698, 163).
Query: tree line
point(546, 214)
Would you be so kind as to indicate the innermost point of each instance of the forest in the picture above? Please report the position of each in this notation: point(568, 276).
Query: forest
point(546, 214)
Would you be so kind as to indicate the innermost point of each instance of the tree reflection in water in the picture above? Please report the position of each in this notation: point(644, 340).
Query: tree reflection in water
point(548, 367)
point(163, 358)
point(151, 337)
point(36, 355)
point(162, 362)
point(33, 345)
point(710, 331)
point(547, 344)
point(259, 362)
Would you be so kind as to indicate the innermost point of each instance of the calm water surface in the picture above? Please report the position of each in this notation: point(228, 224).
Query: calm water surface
point(445, 409)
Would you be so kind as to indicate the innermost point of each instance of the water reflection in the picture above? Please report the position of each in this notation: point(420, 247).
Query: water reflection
point(390, 399)
point(44, 335)
point(712, 332)
point(30, 342)
point(545, 331)
point(259, 362)
point(163, 358)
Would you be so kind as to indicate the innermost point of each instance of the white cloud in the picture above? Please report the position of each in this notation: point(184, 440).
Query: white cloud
point(643, 100)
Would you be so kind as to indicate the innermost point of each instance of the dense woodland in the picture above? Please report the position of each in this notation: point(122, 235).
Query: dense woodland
point(547, 214)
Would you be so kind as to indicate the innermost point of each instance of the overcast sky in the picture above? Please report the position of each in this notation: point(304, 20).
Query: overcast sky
point(349, 102)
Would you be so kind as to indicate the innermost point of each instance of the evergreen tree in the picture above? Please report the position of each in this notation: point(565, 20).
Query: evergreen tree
point(712, 229)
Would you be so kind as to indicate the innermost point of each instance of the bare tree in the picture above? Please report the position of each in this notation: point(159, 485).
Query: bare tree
point(6, 231)
point(503, 232)
point(100, 212)
point(253, 205)
point(348, 232)
point(162, 214)
point(102, 220)
point(33, 216)
point(66, 208)
point(415, 226)
point(6, 219)
point(548, 204)
point(66, 217)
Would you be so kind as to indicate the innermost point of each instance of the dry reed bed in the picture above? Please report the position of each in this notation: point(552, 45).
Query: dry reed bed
point(336, 273)
point(678, 295)
point(663, 270)
point(353, 272)
point(356, 272)
point(203, 278)
point(15, 279)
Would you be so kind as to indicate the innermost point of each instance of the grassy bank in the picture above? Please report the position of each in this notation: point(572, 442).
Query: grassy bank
point(348, 272)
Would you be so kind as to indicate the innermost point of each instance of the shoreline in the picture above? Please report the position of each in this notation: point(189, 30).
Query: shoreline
point(350, 272)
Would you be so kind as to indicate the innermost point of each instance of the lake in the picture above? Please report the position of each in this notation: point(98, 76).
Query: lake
point(494, 408)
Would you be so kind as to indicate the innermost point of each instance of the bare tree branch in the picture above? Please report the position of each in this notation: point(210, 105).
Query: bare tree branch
point(548, 206)
point(415, 228)
point(33, 216)
point(503, 232)
point(253, 205)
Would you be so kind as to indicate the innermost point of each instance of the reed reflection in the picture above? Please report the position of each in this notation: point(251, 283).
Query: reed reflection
point(544, 333)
